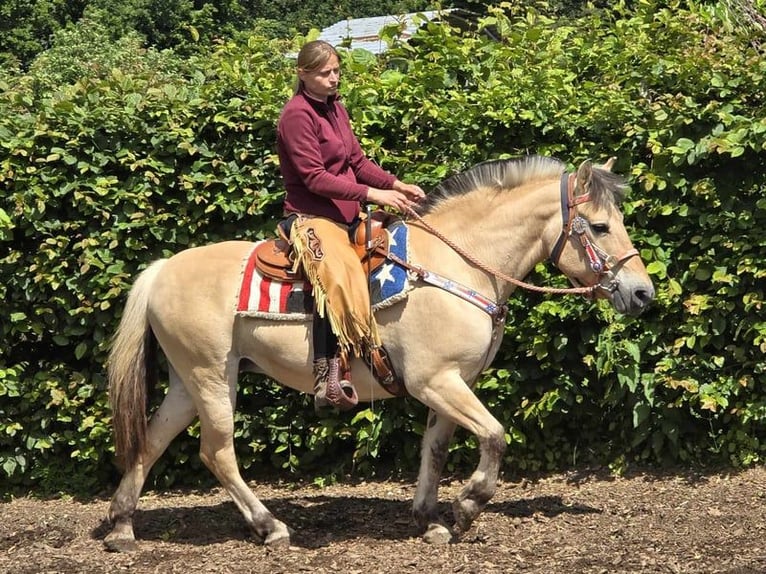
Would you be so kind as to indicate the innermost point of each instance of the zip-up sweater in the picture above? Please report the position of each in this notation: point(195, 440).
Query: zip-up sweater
point(324, 169)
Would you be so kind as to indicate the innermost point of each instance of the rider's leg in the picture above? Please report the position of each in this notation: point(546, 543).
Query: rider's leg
point(332, 388)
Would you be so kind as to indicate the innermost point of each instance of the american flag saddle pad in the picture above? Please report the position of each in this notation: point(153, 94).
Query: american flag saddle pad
point(266, 298)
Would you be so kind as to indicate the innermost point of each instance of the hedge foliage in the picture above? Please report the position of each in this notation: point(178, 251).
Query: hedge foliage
point(110, 163)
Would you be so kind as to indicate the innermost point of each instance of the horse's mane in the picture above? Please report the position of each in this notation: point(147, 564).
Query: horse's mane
point(512, 173)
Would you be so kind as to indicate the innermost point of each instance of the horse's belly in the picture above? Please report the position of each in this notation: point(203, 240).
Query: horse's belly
point(282, 351)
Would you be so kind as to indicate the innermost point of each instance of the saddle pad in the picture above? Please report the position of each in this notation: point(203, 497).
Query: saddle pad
point(390, 283)
point(261, 296)
point(266, 298)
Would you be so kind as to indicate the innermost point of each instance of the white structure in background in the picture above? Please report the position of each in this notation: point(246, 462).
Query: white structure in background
point(363, 32)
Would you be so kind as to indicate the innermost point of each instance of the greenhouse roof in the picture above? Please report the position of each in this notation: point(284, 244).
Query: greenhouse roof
point(364, 32)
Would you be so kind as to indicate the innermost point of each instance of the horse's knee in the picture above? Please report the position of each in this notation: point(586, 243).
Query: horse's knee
point(492, 446)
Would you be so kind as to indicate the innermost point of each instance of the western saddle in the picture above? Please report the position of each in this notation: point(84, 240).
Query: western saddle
point(275, 258)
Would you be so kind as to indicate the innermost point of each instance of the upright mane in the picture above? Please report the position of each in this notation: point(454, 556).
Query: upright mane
point(512, 173)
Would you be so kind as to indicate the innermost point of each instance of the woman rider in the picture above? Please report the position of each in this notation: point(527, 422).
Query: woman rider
point(327, 177)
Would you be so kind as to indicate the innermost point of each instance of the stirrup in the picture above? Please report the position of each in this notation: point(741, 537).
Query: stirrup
point(330, 391)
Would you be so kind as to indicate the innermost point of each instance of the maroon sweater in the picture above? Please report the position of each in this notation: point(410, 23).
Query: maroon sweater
point(324, 169)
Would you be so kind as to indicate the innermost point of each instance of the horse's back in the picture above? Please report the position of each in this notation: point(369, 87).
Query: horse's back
point(196, 288)
point(207, 265)
point(222, 250)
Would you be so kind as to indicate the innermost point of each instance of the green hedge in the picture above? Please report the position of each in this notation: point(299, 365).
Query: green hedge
point(109, 164)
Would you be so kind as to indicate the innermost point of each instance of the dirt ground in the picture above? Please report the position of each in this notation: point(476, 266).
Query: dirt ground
point(586, 521)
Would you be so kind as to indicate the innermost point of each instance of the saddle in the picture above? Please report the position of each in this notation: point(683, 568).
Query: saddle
point(275, 258)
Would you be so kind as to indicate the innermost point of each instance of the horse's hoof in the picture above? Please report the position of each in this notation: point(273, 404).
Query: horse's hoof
point(465, 512)
point(120, 544)
point(280, 538)
point(437, 534)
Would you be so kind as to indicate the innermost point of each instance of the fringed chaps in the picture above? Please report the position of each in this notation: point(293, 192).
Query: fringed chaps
point(323, 249)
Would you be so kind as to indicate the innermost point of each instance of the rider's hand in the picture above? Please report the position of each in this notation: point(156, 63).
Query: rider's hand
point(389, 197)
point(402, 196)
point(412, 191)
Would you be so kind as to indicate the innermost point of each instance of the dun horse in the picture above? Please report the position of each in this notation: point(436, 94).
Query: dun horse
point(483, 229)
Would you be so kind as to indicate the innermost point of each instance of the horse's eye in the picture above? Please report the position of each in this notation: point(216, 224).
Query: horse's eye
point(600, 228)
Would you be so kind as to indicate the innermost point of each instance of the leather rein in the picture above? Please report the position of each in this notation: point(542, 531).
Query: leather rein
point(601, 262)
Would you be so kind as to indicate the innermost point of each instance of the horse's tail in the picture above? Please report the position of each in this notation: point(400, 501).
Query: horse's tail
point(131, 370)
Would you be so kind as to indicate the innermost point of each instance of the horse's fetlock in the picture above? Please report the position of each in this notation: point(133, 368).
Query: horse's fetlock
point(480, 489)
point(121, 509)
point(424, 517)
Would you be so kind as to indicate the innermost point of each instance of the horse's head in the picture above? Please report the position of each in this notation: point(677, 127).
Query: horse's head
point(594, 248)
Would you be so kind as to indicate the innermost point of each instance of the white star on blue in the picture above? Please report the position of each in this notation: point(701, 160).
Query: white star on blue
point(385, 274)
point(391, 279)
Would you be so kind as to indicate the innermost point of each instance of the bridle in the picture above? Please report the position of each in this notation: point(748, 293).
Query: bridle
point(601, 263)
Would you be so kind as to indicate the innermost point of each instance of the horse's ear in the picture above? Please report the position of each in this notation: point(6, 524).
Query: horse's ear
point(609, 163)
point(584, 173)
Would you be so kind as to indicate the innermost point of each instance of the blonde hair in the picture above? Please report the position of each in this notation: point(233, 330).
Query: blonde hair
point(313, 55)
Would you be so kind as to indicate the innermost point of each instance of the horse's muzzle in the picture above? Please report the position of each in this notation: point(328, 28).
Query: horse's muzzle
point(632, 299)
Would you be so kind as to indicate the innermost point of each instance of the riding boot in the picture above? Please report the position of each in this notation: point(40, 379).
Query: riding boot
point(330, 391)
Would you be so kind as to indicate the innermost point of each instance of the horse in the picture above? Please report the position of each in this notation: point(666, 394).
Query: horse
point(484, 228)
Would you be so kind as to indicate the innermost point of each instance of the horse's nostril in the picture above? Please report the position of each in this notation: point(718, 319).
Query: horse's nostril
point(645, 296)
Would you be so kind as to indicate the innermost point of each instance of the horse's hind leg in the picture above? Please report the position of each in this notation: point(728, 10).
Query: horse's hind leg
point(174, 414)
point(450, 397)
point(216, 415)
point(433, 455)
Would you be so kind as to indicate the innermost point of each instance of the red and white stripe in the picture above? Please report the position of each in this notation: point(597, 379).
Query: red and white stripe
point(262, 294)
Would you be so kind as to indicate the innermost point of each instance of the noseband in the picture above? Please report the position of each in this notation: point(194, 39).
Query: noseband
point(601, 263)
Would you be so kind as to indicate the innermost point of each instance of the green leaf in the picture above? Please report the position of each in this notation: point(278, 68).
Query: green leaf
point(641, 412)
point(657, 268)
point(80, 350)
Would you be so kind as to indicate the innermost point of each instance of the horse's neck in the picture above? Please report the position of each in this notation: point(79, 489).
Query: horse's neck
point(502, 230)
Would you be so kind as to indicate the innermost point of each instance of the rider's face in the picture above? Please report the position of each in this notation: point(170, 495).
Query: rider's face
point(322, 82)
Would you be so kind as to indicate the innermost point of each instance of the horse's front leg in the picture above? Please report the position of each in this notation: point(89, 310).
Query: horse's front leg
point(433, 455)
point(483, 483)
point(450, 397)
